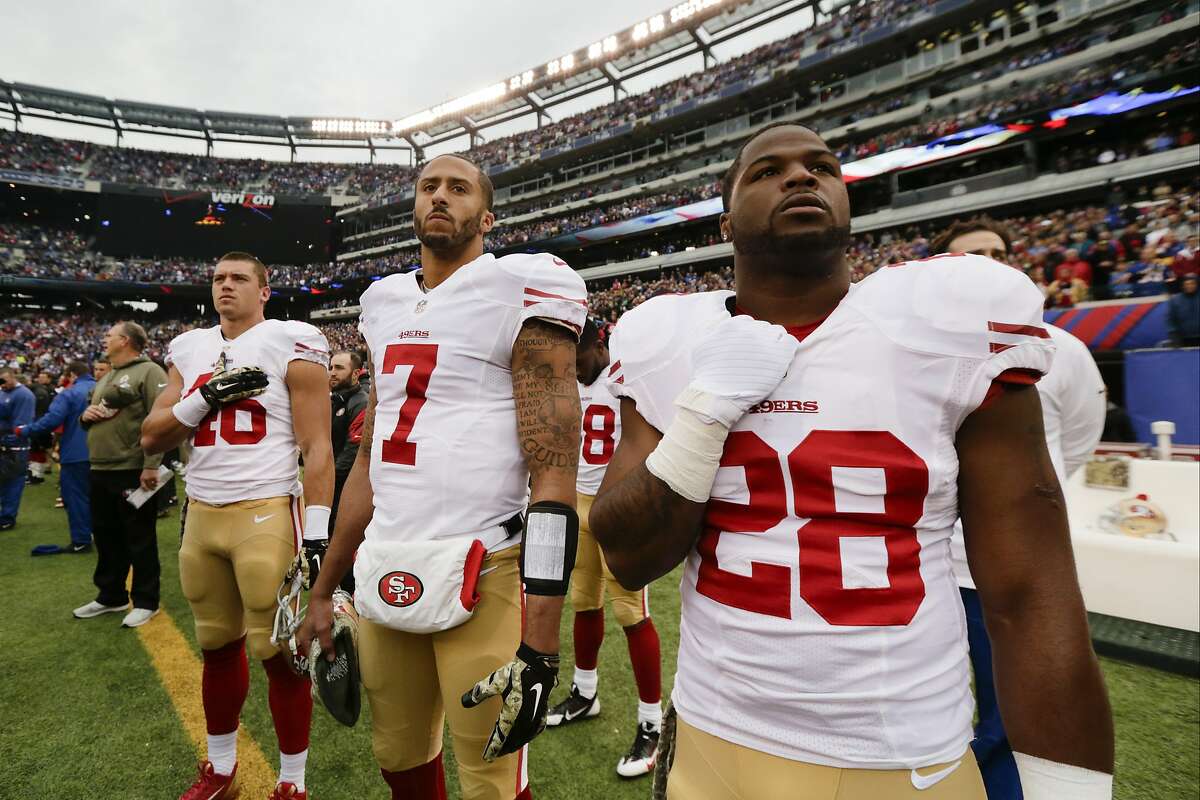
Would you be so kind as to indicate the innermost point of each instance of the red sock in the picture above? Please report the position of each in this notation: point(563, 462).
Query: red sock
point(646, 660)
point(426, 782)
point(290, 698)
point(589, 635)
point(223, 686)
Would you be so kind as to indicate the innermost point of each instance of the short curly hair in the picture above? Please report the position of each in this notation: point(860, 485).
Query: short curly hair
point(941, 242)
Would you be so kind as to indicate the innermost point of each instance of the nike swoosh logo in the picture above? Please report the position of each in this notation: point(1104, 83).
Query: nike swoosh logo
point(483, 572)
point(568, 716)
point(537, 695)
point(921, 782)
point(161, 385)
point(258, 519)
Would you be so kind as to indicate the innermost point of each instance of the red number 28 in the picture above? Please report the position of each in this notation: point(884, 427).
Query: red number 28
point(397, 449)
point(767, 589)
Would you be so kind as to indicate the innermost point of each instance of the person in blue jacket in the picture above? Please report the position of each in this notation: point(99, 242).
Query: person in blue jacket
point(74, 461)
point(16, 410)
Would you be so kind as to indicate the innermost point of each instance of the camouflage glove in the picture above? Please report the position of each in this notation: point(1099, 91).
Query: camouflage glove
point(524, 685)
point(236, 384)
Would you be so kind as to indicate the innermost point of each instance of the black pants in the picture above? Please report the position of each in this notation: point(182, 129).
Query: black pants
point(339, 483)
point(125, 537)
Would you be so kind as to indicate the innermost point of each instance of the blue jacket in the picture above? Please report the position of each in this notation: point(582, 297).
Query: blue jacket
point(65, 410)
point(16, 408)
point(1183, 316)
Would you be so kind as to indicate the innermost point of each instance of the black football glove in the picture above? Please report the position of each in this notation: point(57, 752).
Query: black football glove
point(524, 685)
point(314, 554)
point(236, 384)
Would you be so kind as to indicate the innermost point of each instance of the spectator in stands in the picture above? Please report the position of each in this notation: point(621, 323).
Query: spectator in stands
point(16, 412)
point(74, 466)
point(1144, 277)
point(1074, 267)
point(1183, 314)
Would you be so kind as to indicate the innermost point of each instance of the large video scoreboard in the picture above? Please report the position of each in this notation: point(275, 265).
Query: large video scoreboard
point(206, 224)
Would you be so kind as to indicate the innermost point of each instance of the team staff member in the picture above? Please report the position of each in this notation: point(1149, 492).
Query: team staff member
point(1073, 410)
point(348, 400)
point(42, 442)
point(16, 410)
point(124, 535)
point(74, 466)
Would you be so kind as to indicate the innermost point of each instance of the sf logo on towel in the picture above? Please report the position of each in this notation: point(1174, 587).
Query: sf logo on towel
point(400, 589)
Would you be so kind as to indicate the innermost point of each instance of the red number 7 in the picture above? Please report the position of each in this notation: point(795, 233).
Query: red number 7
point(397, 449)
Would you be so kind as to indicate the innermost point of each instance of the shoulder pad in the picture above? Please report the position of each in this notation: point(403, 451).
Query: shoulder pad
point(954, 305)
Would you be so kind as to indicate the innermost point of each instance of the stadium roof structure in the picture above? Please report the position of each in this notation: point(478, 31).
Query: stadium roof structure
point(688, 28)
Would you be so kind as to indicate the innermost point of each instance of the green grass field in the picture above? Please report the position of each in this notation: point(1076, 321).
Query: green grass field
point(84, 714)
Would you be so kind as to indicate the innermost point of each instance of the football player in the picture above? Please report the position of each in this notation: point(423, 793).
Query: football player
point(805, 446)
point(472, 405)
point(1073, 402)
point(250, 394)
point(592, 578)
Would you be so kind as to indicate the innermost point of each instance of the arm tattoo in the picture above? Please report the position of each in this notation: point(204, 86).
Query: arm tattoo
point(547, 399)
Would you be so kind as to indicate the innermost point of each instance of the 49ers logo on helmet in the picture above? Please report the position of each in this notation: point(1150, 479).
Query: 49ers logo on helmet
point(400, 589)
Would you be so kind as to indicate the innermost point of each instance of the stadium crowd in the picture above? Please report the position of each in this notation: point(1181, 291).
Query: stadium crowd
point(1135, 246)
point(1004, 105)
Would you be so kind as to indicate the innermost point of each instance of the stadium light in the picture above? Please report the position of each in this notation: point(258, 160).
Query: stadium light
point(641, 33)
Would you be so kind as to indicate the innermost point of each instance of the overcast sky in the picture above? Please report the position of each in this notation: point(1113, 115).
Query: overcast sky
point(351, 58)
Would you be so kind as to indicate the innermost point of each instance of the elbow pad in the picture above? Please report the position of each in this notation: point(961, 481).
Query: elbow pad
point(550, 538)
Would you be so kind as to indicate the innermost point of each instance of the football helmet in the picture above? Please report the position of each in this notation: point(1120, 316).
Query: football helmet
point(289, 613)
point(335, 683)
point(1136, 517)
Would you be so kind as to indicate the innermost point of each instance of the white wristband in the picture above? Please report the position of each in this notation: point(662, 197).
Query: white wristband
point(689, 455)
point(316, 523)
point(191, 410)
point(1042, 779)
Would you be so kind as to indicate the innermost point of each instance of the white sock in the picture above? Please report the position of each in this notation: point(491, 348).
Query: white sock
point(222, 752)
point(291, 768)
point(586, 680)
point(650, 712)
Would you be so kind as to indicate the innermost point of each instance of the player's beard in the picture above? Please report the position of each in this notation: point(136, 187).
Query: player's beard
point(449, 242)
point(812, 251)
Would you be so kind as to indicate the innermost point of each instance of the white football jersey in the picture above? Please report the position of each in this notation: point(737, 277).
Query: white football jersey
point(820, 618)
point(601, 432)
point(445, 459)
point(1074, 404)
point(247, 450)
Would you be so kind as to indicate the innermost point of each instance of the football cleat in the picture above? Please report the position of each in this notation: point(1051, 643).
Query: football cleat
point(287, 791)
point(574, 708)
point(289, 613)
point(211, 786)
point(640, 758)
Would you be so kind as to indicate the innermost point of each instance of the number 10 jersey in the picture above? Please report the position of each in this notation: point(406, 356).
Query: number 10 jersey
point(820, 618)
point(445, 458)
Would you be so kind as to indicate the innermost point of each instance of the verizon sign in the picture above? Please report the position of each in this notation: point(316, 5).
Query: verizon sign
point(248, 199)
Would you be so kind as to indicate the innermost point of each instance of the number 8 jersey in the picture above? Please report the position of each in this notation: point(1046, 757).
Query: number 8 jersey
point(820, 618)
point(246, 450)
point(445, 459)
